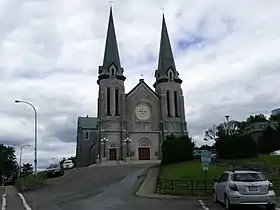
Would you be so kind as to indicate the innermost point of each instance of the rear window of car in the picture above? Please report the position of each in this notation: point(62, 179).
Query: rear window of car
point(248, 177)
point(68, 161)
point(54, 166)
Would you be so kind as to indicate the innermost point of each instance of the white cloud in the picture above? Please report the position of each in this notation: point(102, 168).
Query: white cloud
point(50, 52)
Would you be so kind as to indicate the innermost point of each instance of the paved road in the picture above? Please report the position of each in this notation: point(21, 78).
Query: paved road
point(102, 188)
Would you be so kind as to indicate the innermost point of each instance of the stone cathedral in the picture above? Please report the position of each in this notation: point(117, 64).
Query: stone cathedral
point(132, 125)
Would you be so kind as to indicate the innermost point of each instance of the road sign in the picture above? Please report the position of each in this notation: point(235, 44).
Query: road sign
point(205, 159)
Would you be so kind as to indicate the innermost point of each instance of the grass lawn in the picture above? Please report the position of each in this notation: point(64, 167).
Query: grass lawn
point(269, 161)
point(191, 171)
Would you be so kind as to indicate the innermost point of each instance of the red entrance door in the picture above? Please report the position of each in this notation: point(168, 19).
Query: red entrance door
point(113, 154)
point(144, 153)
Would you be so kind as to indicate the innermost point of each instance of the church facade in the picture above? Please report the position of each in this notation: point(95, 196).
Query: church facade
point(132, 125)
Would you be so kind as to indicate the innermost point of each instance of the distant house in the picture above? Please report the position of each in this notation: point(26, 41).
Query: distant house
point(87, 144)
point(256, 129)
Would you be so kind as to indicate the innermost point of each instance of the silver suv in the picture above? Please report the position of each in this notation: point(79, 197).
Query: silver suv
point(244, 187)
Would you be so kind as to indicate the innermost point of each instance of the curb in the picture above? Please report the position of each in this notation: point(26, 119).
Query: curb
point(153, 195)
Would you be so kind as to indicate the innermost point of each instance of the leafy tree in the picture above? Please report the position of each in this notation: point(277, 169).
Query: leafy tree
point(269, 141)
point(256, 118)
point(177, 149)
point(236, 146)
point(221, 130)
point(26, 169)
point(8, 164)
point(275, 118)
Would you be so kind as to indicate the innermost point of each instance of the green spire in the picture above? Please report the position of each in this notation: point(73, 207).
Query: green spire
point(166, 59)
point(111, 54)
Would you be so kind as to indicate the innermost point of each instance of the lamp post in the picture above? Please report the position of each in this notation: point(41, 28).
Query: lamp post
point(20, 155)
point(35, 134)
point(227, 116)
point(104, 140)
point(127, 141)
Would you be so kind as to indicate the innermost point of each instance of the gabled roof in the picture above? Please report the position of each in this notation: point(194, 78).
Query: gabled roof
point(141, 81)
point(87, 122)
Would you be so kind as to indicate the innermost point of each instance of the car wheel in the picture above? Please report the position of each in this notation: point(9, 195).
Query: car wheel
point(227, 203)
point(215, 199)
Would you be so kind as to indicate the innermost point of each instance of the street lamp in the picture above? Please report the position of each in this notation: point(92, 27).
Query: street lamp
point(103, 141)
point(20, 155)
point(127, 141)
point(227, 116)
point(35, 130)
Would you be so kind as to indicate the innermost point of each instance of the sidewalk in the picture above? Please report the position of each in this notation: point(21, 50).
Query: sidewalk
point(123, 162)
point(148, 187)
point(2, 192)
point(14, 202)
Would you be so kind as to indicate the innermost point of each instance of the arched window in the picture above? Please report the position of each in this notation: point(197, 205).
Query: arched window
point(170, 75)
point(176, 104)
point(112, 71)
point(168, 104)
point(108, 101)
point(117, 102)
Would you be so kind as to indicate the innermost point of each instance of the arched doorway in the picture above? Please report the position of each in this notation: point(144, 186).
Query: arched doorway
point(112, 152)
point(144, 150)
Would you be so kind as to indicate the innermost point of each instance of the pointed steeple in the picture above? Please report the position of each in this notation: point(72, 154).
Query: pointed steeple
point(166, 63)
point(111, 54)
point(166, 59)
point(111, 61)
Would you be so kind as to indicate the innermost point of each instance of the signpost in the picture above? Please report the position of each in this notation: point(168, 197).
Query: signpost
point(205, 160)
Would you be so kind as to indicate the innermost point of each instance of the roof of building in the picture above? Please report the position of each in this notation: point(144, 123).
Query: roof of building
point(141, 81)
point(87, 122)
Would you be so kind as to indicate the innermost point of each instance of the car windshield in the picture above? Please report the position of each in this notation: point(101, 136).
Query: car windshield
point(248, 177)
point(54, 166)
point(68, 161)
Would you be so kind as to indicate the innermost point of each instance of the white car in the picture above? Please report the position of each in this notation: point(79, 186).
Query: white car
point(244, 188)
point(68, 164)
point(275, 153)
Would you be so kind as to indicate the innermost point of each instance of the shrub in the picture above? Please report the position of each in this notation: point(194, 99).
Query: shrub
point(177, 149)
point(236, 147)
point(31, 182)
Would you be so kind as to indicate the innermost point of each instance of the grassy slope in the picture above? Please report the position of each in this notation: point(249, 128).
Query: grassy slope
point(190, 171)
point(269, 161)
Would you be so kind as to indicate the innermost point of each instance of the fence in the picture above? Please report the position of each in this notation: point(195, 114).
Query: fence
point(275, 171)
point(194, 187)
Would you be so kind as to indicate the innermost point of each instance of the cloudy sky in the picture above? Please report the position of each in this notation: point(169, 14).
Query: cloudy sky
point(227, 53)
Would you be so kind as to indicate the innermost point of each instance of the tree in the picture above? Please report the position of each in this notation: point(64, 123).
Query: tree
point(236, 146)
point(8, 164)
point(269, 141)
point(177, 149)
point(256, 118)
point(26, 169)
point(218, 131)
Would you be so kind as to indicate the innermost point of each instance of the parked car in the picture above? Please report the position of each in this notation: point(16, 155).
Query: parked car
point(242, 187)
point(55, 169)
point(275, 153)
point(68, 164)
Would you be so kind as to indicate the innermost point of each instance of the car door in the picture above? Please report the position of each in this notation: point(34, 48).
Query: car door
point(221, 186)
